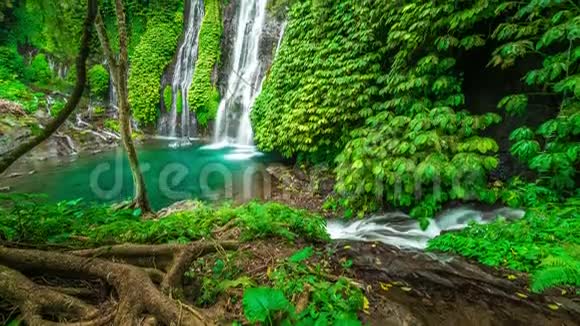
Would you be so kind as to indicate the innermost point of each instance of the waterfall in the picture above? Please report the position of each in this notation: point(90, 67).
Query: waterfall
point(244, 80)
point(184, 126)
point(112, 95)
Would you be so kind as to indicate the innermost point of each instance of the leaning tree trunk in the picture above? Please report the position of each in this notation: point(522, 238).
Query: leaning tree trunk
point(81, 66)
point(119, 72)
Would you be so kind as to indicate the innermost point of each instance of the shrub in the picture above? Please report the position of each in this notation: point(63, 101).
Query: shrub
point(203, 96)
point(99, 81)
point(39, 70)
point(154, 51)
point(545, 242)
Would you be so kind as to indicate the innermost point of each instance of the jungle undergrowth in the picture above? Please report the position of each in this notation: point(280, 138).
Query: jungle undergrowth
point(544, 243)
point(76, 223)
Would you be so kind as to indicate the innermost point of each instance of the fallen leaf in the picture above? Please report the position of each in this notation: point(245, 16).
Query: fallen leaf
point(521, 295)
point(366, 305)
point(347, 247)
point(385, 286)
point(511, 277)
point(406, 289)
point(553, 306)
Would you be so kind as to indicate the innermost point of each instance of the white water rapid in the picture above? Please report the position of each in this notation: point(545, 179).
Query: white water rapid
point(400, 230)
point(183, 124)
point(244, 80)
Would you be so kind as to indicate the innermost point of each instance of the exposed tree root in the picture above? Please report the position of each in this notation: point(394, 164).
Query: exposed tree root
point(146, 281)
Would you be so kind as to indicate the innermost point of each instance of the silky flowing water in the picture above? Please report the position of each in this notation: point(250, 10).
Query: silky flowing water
point(171, 174)
point(400, 230)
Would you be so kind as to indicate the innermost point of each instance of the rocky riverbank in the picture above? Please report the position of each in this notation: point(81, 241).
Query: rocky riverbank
point(85, 133)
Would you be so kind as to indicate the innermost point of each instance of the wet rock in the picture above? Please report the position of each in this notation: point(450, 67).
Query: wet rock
point(181, 206)
point(437, 289)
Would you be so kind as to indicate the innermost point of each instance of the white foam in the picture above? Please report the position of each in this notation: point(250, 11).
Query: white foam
point(401, 230)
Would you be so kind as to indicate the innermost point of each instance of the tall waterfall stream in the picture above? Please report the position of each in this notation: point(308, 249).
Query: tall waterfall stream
point(179, 122)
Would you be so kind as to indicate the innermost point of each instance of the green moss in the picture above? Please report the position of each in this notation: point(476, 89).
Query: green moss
point(167, 97)
point(203, 96)
point(154, 52)
point(99, 81)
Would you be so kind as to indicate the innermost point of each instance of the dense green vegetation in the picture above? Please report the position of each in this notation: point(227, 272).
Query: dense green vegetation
point(152, 54)
point(75, 223)
point(545, 242)
point(66, 222)
point(381, 97)
point(203, 95)
point(387, 95)
point(99, 81)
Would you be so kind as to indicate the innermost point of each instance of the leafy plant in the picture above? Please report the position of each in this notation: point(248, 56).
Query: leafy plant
point(99, 224)
point(99, 81)
point(39, 70)
point(329, 302)
point(154, 51)
point(548, 29)
point(260, 304)
point(560, 268)
point(544, 242)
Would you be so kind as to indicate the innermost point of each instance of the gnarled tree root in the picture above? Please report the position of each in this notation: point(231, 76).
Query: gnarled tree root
point(142, 294)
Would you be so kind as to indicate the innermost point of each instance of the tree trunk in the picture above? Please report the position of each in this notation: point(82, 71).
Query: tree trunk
point(119, 72)
point(81, 65)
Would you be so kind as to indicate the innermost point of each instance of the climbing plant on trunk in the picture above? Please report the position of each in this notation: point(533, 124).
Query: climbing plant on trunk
point(119, 67)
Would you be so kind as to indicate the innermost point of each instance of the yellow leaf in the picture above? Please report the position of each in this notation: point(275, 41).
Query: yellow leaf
point(511, 277)
point(347, 247)
point(406, 289)
point(269, 271)
point(564, 292)
point(553, 306)
point(366, 305)
point(385, 286)
point(521, 295)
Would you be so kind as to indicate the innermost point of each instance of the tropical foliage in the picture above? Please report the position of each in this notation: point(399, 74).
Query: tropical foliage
point(545, 243)
point(99, 81)
point(332, 303)
point(66, 222)
point(203, 95)
point(376, 89)
point(152, 54)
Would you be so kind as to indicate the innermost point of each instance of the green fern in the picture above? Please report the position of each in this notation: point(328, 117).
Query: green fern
point(558, 270)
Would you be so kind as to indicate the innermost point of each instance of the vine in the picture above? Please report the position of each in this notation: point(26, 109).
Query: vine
point(203, 96)
point(321, 81)
point(551, 30)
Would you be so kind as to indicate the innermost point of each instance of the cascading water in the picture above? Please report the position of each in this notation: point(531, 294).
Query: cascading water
point(245, 78)
point(400, 230)
point(183, 124)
